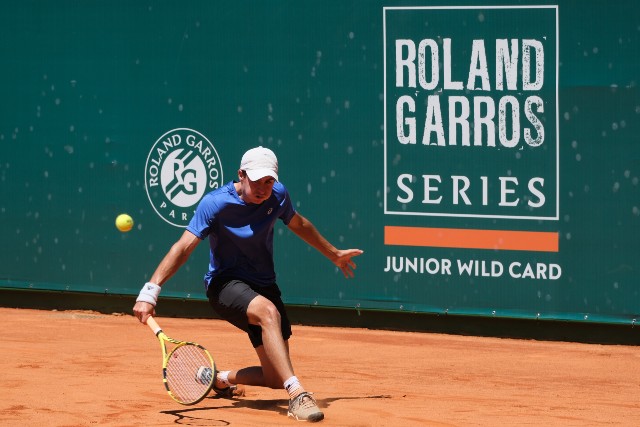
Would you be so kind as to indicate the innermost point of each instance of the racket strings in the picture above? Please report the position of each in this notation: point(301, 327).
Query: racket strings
point(182, 370)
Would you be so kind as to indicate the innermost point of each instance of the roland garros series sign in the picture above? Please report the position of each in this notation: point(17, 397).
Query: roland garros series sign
point(471, 112)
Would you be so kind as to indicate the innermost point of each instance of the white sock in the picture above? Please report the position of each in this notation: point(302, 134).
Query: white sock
point(223, 377)
point(293, 386)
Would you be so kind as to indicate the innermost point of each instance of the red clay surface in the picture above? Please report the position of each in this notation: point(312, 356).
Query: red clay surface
point(77, 368)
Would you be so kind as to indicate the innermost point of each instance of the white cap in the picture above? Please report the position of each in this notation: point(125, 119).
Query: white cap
point(259, 162)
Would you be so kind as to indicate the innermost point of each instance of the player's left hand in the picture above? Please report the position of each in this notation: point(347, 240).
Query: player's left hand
point(345, 262)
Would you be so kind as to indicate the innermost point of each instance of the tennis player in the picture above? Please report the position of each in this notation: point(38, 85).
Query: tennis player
point(239, 219)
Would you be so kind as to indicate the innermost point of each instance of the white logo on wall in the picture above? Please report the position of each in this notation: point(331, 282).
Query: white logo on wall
point(182, 166)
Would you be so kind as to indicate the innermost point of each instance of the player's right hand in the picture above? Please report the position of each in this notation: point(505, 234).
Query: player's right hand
point(142, 310)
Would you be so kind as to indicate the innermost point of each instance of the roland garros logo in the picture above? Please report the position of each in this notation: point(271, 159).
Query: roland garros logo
point(182, 166)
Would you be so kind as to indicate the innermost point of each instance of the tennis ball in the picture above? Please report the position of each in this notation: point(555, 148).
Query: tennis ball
point(124, 222)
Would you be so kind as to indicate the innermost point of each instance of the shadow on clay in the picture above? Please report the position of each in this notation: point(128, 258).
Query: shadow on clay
point(187, 416)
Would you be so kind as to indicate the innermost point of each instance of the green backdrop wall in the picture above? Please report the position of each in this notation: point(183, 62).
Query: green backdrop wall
point(484, 156)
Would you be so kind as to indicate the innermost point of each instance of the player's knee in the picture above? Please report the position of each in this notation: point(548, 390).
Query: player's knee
point(270, 317)
point(266, 314)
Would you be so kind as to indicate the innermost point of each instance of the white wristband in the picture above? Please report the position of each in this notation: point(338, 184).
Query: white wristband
point(149, 293)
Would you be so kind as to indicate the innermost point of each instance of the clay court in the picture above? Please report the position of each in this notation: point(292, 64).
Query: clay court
point(82, 368)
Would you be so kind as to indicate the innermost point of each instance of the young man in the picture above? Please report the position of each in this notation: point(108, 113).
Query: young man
point(241, 284)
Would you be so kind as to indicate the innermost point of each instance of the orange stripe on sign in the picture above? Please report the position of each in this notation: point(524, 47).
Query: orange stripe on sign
point(472, 239)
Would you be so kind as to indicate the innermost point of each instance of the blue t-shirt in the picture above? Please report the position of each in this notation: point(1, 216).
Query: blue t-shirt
point(241, 234)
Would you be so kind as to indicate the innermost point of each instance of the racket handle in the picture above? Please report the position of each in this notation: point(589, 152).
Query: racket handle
point(151, 323)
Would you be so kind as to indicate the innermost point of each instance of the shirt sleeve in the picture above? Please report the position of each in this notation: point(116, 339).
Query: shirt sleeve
point(287, 210)
point(200, 224)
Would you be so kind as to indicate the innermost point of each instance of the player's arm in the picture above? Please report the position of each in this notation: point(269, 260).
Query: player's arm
point(170, 264)
point(342, 258)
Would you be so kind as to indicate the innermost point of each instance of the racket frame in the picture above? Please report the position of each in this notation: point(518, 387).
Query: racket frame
point(164, 338)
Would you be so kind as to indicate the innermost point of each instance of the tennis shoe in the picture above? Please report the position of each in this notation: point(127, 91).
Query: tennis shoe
point(204, 374)
point(229, 392)
point(304, 408)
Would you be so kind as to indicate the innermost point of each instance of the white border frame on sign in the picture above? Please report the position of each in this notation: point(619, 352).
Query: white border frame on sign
point(384, 40)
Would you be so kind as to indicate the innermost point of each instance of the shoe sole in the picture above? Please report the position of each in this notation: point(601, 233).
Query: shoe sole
point(313, 418)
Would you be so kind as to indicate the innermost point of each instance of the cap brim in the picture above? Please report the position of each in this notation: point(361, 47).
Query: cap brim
point(256, 174)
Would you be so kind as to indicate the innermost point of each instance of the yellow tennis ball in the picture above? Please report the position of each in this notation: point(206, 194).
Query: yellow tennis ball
point(124, 222)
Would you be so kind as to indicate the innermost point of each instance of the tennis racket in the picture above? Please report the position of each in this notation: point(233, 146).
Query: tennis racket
point(188, 370)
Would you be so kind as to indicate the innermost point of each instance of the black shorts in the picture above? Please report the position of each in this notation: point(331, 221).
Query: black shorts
point(230, 298)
